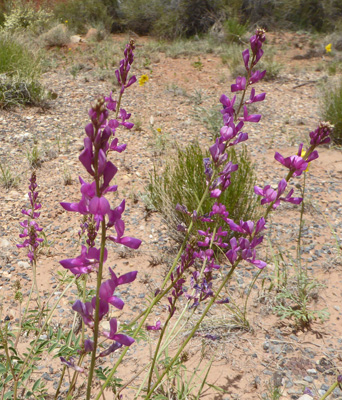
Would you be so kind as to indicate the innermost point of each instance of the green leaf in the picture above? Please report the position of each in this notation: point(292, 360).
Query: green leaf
point(3, 369)
point(36, 385)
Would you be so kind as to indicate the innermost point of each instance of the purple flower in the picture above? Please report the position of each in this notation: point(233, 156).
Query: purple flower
point(156, 327)
point(71, 364)
point(217, 152)
point(118, 337)
point(250, 118)
point(115, 147)
point(322, 134)
point(86, 262)
point(256, 42)
point(113, 347)
point(254, 98)
point(239, 85)
point(31, 227)
point(228, 106)
point(230, 130)
point(111, 104)
point(108, 287)
point(271, 195)
point(245, 56)
point(308, 391)
point(127, 241)
point(295, 164)
point(256, 76)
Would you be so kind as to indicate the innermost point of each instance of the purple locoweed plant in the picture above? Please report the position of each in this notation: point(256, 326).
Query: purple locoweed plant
point(99, 220)
point(31, 230)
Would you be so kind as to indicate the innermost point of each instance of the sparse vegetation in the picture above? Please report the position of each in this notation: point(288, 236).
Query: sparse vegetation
point(19, 73)
point(183, 180)
point(332, 109)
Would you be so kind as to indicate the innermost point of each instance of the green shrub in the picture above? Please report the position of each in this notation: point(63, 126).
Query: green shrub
point(234, 31)
point(183, 182)
point(57, 36)
point(83, 14)
point(25, 15)
point(19, 73)
point(332, 110)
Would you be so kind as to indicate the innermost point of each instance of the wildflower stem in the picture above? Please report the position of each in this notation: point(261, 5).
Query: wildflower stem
point(60, 382)
point(97, 308)
point(34, 266)
point(159, 343)
point(330, 390)
point(33, 345)
point(193, 331)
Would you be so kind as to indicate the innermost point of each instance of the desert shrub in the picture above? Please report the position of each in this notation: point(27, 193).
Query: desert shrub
point(272, 67)
point(83, 14)
point(234, 30)
point(24, 15)
point(140, 15)
point(57, 36)
point(332, 110)
point(19, 73)
point(183, 182)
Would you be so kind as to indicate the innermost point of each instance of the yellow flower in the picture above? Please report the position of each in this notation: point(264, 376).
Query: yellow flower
point(159, 130)
point(302, 155)
point(328, 48)
point(143, 79)
point(66, 21)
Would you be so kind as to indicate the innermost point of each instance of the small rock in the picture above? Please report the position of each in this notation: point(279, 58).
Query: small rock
point(75, 39)
point(47, 377)
point(4, 243)
point(23, 264)
point(305, 397)
point(91, 34)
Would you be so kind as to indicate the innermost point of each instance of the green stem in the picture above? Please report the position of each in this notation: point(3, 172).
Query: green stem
point(248, 294)
point(301, 224)
point(330, 390)
point(97, 309)
point(8, 358)
point(60, 382)
point(158, 346)
point(34, 265)
point(193, 331)
point(32, 347)
point(74, 379)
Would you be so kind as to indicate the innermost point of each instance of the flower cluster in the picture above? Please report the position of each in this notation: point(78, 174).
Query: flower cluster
point(31, 227)
point(230, 133)
point(106, 295)
point(296, 165)
point(218, 172)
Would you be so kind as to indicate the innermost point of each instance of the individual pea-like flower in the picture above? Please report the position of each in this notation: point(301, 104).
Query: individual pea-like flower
point(296, 164)
point(118, 337)
point(239, 85)
point(254, 98)
point(86, 262)
point(156, 327)
point(251, 117)
point(71, 364)
point(328, 48)
point(274, 196)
